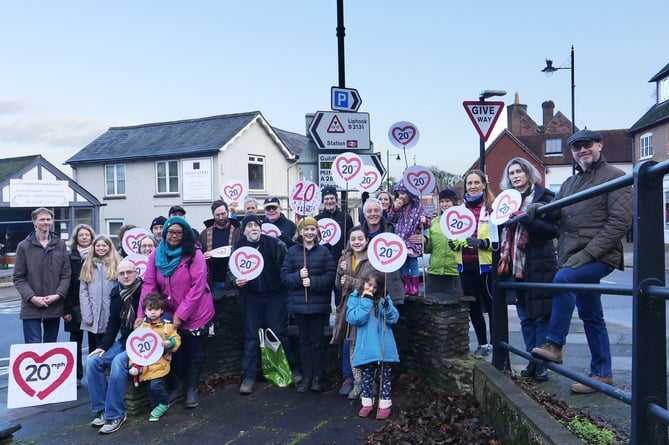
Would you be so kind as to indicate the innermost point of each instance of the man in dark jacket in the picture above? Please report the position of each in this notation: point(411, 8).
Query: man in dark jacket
point(107, 398)
point(589, 248)
point(42, 278)
point(221, 233)
point(264, 300)
point(274, 216)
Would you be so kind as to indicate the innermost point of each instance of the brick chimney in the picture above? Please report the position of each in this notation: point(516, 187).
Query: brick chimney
point(548, 108)
point(514, 116)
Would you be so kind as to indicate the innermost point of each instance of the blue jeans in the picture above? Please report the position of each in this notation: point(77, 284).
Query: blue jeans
point(346, 369)
point(410, 267)
point(32, 330)
point(533, 329)
point(589, 310)
point(158, 392)
point(108, 396)
point(217, 289)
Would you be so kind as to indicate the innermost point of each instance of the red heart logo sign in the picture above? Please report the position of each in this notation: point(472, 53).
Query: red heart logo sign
point(247, 264)
point(458, 223)
point(348, 168)
point(132, 242)
point(328, 231)
point(369, 180)
point(232, 192)
point(506, 206)
point(420, 180)
point(404, 135)
point(138, 344)
point(37, 374)
point(271, 232)
point(384, 251)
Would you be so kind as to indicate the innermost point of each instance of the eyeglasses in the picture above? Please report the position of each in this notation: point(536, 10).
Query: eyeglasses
point(173, 234)
point(576, 146)
point(271, 208)
point(123, 273)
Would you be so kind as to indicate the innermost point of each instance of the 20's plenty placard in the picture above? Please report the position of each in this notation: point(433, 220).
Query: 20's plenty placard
point(144, 346)
point(458, 223)
point(246, 262)
point(387, 252)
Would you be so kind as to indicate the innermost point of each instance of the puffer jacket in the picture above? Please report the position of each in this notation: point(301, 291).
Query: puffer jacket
point(94, 298)
point(596, 225)
point(41, 271)
point(161, 368)
point(407, 220)
point(443, 259)
point(375, 341)
point(321, 267)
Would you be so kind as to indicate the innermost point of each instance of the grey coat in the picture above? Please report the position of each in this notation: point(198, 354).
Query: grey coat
point(94, 300)
point(41, 271)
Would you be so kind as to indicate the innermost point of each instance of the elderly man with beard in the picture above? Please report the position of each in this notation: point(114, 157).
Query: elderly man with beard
point(589, 248)
point(224, 231)
point(264, 301)
point(107, 397)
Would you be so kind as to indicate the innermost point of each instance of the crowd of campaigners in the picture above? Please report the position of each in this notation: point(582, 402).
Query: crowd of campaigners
point(95, 290)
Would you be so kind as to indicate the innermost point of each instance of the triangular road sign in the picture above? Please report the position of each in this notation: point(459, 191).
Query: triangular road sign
point(484, 115)
point(335, 126)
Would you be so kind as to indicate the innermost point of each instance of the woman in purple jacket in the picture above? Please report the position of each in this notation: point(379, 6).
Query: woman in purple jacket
point(177, 269)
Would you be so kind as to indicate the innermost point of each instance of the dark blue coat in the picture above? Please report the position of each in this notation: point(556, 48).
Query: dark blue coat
point(321, 268)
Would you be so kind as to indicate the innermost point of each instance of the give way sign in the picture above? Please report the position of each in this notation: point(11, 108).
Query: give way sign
point(484, 115)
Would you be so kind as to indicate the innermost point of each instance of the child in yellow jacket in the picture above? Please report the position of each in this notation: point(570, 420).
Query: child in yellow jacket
point(155, 373)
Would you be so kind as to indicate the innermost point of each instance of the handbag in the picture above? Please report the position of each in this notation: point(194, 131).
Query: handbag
point(275, 367)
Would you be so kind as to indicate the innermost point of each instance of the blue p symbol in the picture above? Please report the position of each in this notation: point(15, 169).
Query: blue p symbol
point(341, 99)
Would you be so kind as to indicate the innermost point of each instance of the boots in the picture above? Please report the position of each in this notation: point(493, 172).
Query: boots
point(177, 391)
point(191, 384)
point(414, 286)
point(407, 285)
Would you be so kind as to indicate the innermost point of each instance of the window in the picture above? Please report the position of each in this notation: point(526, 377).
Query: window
point(112, 229)
point(256, 172)
point(646, 146)
point(663, 90)
point(167, 177)
point(554, 146)
point(115, 179)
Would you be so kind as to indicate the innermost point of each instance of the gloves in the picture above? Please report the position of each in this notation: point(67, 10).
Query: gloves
point(385, 303)
point(531, 209)
point(452, 245)
point(476, 243)
point(579, 259)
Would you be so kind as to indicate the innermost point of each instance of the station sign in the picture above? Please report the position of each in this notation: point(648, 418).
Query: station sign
point(340, 131)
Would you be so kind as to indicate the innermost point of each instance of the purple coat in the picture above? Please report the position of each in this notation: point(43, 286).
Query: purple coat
point(187, 294)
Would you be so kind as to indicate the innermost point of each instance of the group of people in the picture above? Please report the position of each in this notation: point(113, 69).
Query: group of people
point(96, 291)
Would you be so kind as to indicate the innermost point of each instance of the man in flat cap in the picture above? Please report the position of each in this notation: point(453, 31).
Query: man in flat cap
point(589, 248)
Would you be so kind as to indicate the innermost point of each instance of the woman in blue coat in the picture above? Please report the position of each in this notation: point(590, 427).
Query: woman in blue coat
point(371, 312)
point(308, 274)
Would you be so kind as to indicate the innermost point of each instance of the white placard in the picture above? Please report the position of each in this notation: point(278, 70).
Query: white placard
point(233, 191)
point(139, 261)
point(221, 252)
point(347, 170)
point(403, 134)
point(371, 179)
point(458, 223)
point(38, 193)
point(330, 231)
point(144, 346)
point(246, 262)
point(270, 229)
point(504, 205)
point(42, 373)
point(132, 238)
point(419, 180)
point(387, 252)
point(305, 198)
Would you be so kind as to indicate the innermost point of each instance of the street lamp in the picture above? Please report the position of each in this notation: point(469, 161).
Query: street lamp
point(485, 94)
point(549, 69)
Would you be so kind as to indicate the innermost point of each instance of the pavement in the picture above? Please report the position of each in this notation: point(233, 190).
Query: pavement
point(274, 415)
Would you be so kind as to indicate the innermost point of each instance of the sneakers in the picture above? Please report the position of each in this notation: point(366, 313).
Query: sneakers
point(111, 426)
point(346, 387)
point(99, 419)
point(317, 384)
point(382, 413)
point(297, 377)
point(541, 373)
point(549, 351)
point(483, 350)
point(157, 412)
point(247, 387)
point(304, 385)
point(580, 388)
point(529, 370)
point(355, 391)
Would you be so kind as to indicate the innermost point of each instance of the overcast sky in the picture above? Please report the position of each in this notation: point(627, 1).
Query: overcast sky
point(72, 69)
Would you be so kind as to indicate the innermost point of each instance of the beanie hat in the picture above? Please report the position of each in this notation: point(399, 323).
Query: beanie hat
point(177, 220)
point(307, 221)
point(158, 221)
point(250, 218)
point(329, 190)
point(448, 194)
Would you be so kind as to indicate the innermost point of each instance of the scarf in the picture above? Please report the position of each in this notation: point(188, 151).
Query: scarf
point(167, 259)
point(128, 314)
point(472, 199)
point(83, 251)
point(515, 239)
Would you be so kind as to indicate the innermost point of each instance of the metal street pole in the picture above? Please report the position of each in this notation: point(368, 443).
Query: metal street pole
point(482, 97)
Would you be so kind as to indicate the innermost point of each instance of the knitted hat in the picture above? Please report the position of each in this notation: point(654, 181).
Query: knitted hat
point(307, 221)
point(251, 218)
point(448, 194)
point(177, 220)
point(158, 221)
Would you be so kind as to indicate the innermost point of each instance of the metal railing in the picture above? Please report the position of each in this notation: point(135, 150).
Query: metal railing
point(648, 396)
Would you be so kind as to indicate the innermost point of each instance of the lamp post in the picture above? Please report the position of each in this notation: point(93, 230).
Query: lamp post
point(485, 94)
point(549, 69)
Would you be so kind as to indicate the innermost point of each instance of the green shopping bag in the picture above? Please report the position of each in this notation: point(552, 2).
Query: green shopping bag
point(275, 367)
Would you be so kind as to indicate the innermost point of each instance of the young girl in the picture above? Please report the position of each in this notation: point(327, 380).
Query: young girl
point(371, 312)
point(98, 278)
point(352, 265)
point(410, 219)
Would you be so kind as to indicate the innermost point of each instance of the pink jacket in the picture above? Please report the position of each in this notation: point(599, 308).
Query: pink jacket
point(186, 292)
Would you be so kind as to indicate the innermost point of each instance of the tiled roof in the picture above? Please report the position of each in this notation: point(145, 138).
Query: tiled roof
point(658, 114)
point(185, 137)
point(295, 142)
point(661, 74)
point(10, 166)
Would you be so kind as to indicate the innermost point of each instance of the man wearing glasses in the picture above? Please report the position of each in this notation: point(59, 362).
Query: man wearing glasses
point(273, 215)
point(589, 248)
point(107, 397)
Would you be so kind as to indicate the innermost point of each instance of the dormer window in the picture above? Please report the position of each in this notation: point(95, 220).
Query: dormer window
point(663, 90)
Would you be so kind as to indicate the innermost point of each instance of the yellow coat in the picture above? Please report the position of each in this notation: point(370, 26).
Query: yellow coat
point(161, 368)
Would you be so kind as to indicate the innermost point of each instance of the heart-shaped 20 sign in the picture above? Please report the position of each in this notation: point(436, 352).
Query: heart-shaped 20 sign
point(132, 238)
point(246, 262)
point(270, 229)
point(330, 231)
point(371, 179)
point(403, 134)
point(419, 180)
point(458, 223)
point(39, 373)
point(387, 252)
point(144, 346)
point(504, 205)
point(139, 261)
point(347, 170)
point(233, 191)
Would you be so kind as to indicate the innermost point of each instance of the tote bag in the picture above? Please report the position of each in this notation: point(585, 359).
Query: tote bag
point(275, 367)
